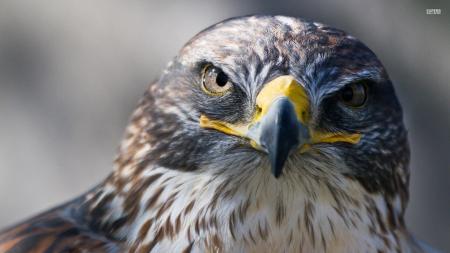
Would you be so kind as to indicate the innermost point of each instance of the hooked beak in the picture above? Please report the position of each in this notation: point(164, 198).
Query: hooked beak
point(280, 123)
point(279, 126)
point(278, 133)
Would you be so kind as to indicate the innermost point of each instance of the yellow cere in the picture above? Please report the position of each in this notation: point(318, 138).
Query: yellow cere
point(283, 86)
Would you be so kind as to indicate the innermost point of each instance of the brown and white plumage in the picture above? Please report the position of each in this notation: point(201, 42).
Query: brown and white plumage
point(197, 173)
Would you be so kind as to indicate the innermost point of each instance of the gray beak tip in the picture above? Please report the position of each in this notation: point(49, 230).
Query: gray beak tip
point(280, 131)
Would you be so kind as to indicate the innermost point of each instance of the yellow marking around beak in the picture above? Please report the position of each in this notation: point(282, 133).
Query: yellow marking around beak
point(283, 86)
point(324, 137)
point(320, 137)
point(227, 128)
point(238, 130)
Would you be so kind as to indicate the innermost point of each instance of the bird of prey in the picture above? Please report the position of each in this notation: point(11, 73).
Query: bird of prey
point(264, 134)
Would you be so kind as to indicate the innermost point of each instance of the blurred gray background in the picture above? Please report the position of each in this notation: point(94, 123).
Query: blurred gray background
point(71, 72)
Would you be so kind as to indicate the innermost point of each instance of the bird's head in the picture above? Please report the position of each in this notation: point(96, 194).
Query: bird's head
point(278, 95)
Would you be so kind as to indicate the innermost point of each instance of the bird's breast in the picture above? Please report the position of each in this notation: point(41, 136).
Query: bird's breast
point(204, 214)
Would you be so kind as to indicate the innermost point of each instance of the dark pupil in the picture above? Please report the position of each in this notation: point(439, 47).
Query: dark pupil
point(347, 94)
point(221, 79)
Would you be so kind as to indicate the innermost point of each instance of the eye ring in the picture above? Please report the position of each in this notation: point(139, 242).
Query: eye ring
point(355, 94)
point(215, 82)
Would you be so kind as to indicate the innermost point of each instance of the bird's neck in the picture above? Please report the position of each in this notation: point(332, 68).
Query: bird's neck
point(157, 206)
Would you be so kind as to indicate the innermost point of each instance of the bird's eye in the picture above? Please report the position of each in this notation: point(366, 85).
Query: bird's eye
point(215, 82)
point(354, 95)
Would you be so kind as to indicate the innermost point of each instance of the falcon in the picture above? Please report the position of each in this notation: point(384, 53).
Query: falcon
point(264, 134)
